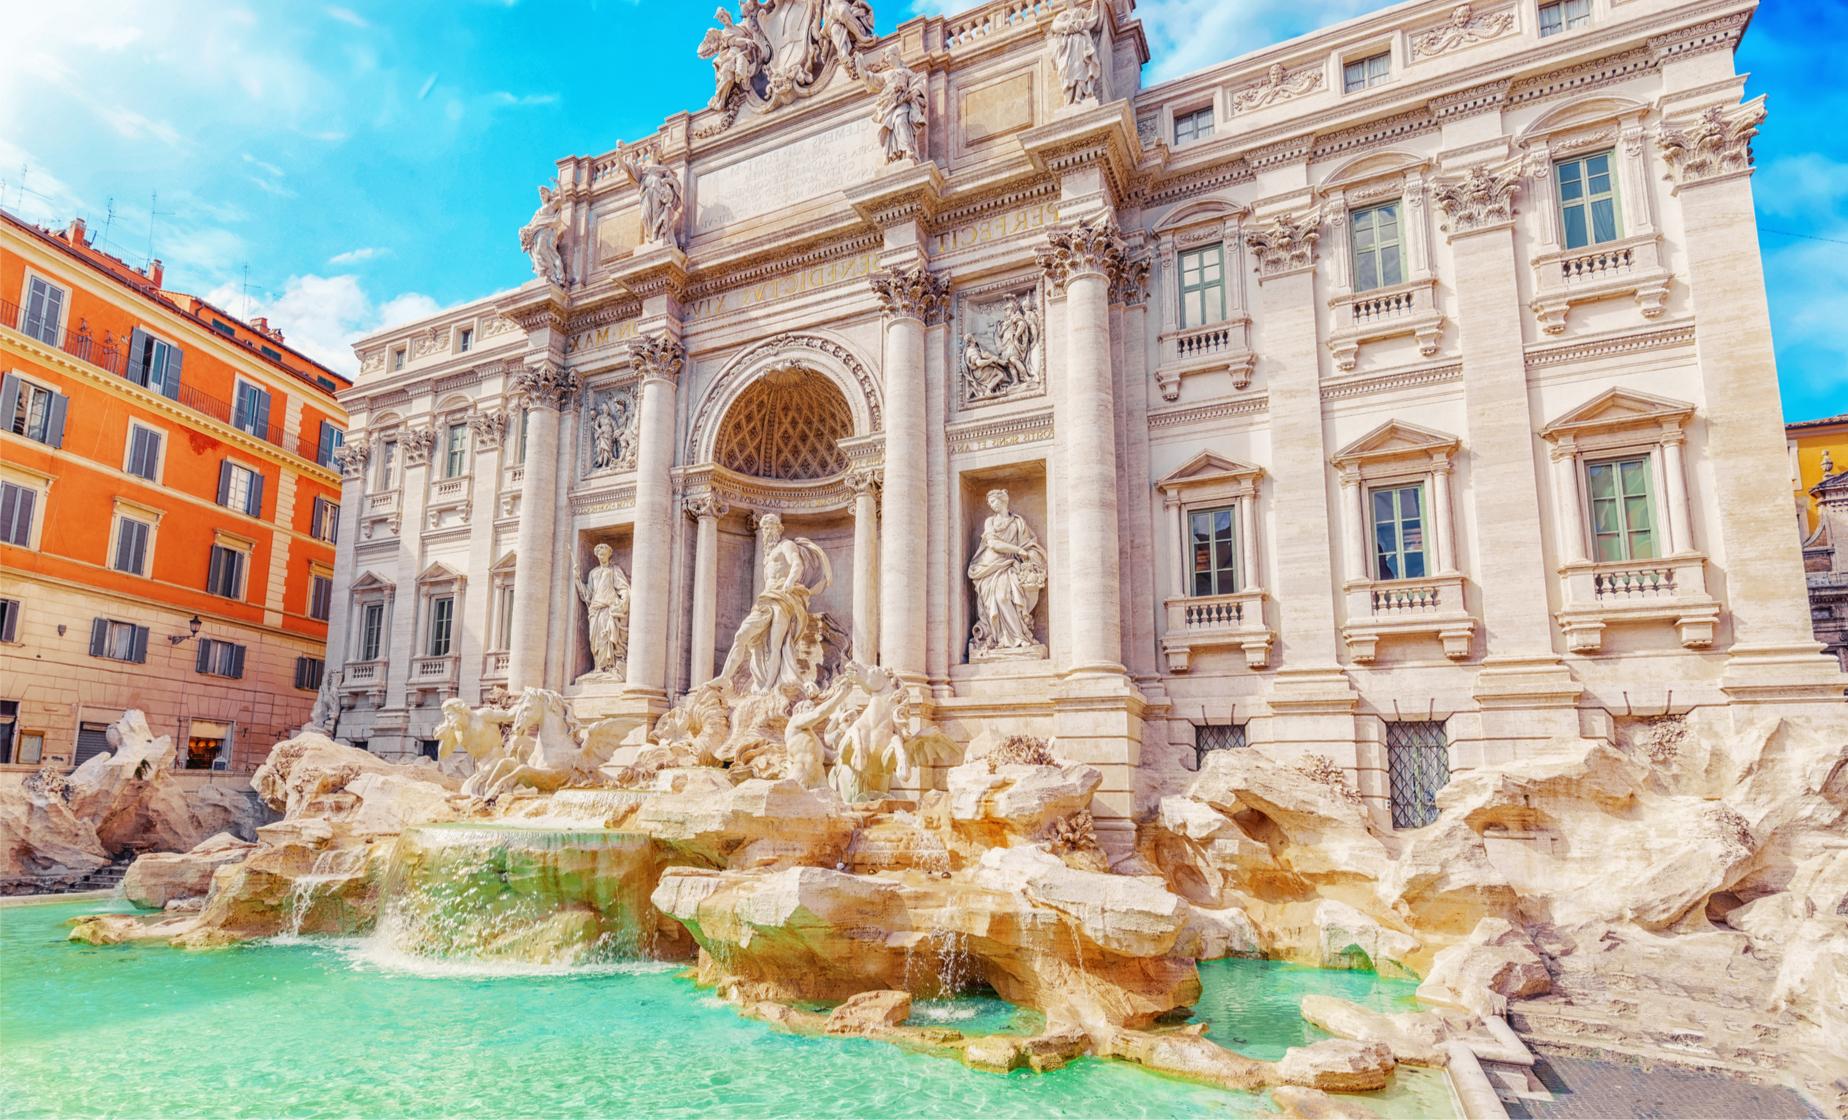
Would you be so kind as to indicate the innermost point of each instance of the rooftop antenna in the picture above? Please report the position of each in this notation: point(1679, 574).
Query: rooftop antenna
point(154, 211)
point(108, 220)
point(246, 311)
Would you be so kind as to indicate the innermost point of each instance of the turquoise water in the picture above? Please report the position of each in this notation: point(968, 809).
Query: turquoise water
point(328, 1028)
point(1252, 1006)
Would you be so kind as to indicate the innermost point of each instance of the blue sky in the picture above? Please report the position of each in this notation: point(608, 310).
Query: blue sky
point(340, 167)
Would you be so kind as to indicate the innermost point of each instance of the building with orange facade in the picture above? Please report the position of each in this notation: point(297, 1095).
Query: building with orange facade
point(168, 509)
point(1818, 449)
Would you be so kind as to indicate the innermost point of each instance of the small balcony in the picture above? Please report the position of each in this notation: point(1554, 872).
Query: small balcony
point(1607, 593)
point(1391, 312)
point(1629, 267)
point(433, 672)
point(1217, 621)
point(450, 502)
point(1430, 607)
point(1198, 351)
point(379, 517)
point(494, 665)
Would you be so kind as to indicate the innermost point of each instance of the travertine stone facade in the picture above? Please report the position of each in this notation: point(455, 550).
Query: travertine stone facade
point(1339, 394)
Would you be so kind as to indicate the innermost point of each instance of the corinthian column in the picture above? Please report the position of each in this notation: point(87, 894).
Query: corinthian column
point(658, 360)
point(706, 510)
point(1082, 261)
point(911, 296)
point(547, 387)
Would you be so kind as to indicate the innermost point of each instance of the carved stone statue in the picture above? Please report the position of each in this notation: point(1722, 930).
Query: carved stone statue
point(606, 603)
point(771, 643)
point(900, 108)
point(1073, 39)
point(543, 237)
point(477, 735)
point(738, 52)
point(849, 26)
point(778, 50)
point(661, 196)
point(1009, 572)
point(542, 751)
point(326, 710)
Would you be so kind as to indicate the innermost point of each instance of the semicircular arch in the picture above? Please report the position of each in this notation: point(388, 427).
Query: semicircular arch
point(824, 354)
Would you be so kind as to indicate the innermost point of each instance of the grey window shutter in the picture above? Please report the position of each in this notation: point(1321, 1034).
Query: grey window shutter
point(9, 622)
point(255, 508)
point(9, 400)
point(215, 573)
point(54, 426)
point(99, 636)
point(138, 354)
point(203, 663)
point(262, 415)
point(237, 662)
point(170, 384)
point(324, 446)
point(224, 482)
point(140, 652)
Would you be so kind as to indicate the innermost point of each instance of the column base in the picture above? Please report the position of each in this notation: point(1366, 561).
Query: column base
point(1097, 721)
point(596, 698)
point(1521, 702)
point(1312, 711)
point(1797, 673)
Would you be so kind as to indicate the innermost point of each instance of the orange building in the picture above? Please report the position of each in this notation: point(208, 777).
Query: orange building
point(1818, 448)
point(168, 507)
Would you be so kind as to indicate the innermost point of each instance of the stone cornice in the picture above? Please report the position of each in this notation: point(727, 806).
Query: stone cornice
point(1680, 334)
point(1005, 431)
point(536, 307)
point(1204, 413)
point(903, 194)
point(1104, 137)
point(1335, 389)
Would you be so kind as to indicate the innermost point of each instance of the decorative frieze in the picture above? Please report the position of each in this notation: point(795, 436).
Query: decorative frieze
point(1465, 27)
point(1092, 245)
point(1286, 244)
point(1716, 145)
point(911, 292)
point(1480, 199)
point(1278, 85)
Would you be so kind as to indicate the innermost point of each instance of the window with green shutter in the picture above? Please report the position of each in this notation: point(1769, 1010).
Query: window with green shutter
point(1379, 252)
point(1622, 509)
point(1203, 286)
point(1588, 200)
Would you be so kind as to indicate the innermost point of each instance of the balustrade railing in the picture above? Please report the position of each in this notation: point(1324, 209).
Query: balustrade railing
point(1597, 264)
point(1403, 598)
point(427, 669)
point(993, 20)
point(1635, 583)
point(1391, 305)
point(1202, 342)
point(365, 672)
point(1212, 612)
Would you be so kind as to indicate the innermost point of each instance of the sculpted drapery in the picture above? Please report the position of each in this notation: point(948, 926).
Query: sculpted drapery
point(606, 604)
point(771, 641)
point(1009, 572)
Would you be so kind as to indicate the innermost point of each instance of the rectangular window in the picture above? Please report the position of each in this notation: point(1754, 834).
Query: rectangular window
point(1587, 200)
point(320, 597)
point(9, 722)
point(371, 631)
point(9, 620)
point(154, 364)
point(220, 659)
point(442, 619)
point(270, 352)
point(1210, 737)
point(144, 452)
point(1189, 127)
point(44, 317)
point(525, 414)
point(325, 523)
point(225, 574)
point(1622, 517)
point(388, 463)
point(308, 673)
point(17, 505)
point(1212, 538)
point(397, 358)
point(1203, 286)
point(503, 618)
point(240, 488)
point(455, 450)
point(1417, 766)
point(224, 328)
point(331, 440)
point(118, 641)
point(1398, 533)
point(1564, 15)
point(1365, 73)
point(131, 551)
point(1378, 251)
point(32, 410)
point(250, 412)
point(31, 748)
point(465, 339)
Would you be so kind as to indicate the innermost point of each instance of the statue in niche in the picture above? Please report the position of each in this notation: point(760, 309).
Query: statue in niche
point(615, 430)
point(738, 52)
point(900, 108)
point(606, 605)
point(659, 190)
point(849, 26)
point(774, 643)
point(1012, 365)
point(1009, 572)
point(1074, 50)
point(542, 238)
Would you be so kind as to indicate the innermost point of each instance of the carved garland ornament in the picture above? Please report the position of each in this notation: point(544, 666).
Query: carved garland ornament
point(1278, 84)
point(547, 384)
point(1719, 143)
point(1093, 245)
point(1464, 28)
point(911, 293)
point(1480, 199)
point(1287, 244)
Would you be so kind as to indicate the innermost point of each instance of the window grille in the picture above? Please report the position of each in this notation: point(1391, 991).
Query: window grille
point(1210, 737)
point(1417, 766)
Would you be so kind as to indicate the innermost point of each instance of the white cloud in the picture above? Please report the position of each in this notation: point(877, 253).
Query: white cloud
point(273, 171)
point(322, 315)
point(522, 100)
point(1807, 183)
point(347, 16)
point(358, 256)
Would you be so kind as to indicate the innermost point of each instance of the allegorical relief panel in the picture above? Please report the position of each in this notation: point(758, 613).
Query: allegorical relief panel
point(612, 431)
point(1003, 347)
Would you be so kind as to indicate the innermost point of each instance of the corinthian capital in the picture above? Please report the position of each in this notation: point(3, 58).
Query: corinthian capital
point(1481, 198)
point(1288, 243)
point(657, 356)
point(1719, 143)
point(912, 292)
point(1091, 245)
point(351, 456)
point(1130, 288)
point(866, 480)
point(489, 428)
point(702, 506)
point(547, 385)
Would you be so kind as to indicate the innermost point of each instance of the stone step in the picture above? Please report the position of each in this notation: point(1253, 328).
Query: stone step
point(1716, 1037)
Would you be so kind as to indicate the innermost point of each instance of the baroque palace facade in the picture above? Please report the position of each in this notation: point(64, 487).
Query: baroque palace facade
point(168, 503)
point(1402, 393)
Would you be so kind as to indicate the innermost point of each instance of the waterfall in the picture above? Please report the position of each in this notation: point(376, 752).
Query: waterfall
point(332, 865)
point(532, 895)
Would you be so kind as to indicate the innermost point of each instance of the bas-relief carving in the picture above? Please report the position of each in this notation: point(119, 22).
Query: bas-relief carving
point(1464, 28)
point(1009, 573)
point(612, 431)
point(1003, 347)
point(1072, 41)
point(778, 50)
point(1278, 84)
point(542, 238)
point(605, 595)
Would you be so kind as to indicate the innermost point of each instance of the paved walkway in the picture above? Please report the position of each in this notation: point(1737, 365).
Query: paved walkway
point(1592, 1089)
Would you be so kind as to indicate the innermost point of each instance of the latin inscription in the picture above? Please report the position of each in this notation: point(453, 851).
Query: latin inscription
point(598, 337)
point(791, 173)
point(1025, 220)
point(856, 267)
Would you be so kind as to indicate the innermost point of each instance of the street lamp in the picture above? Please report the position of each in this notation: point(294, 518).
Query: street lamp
point(192, 631)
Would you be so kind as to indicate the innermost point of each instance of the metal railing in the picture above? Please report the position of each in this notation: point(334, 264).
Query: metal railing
point(111, 353)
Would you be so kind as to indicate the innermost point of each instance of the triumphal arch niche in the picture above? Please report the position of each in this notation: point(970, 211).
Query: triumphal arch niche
point(1352, 398)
